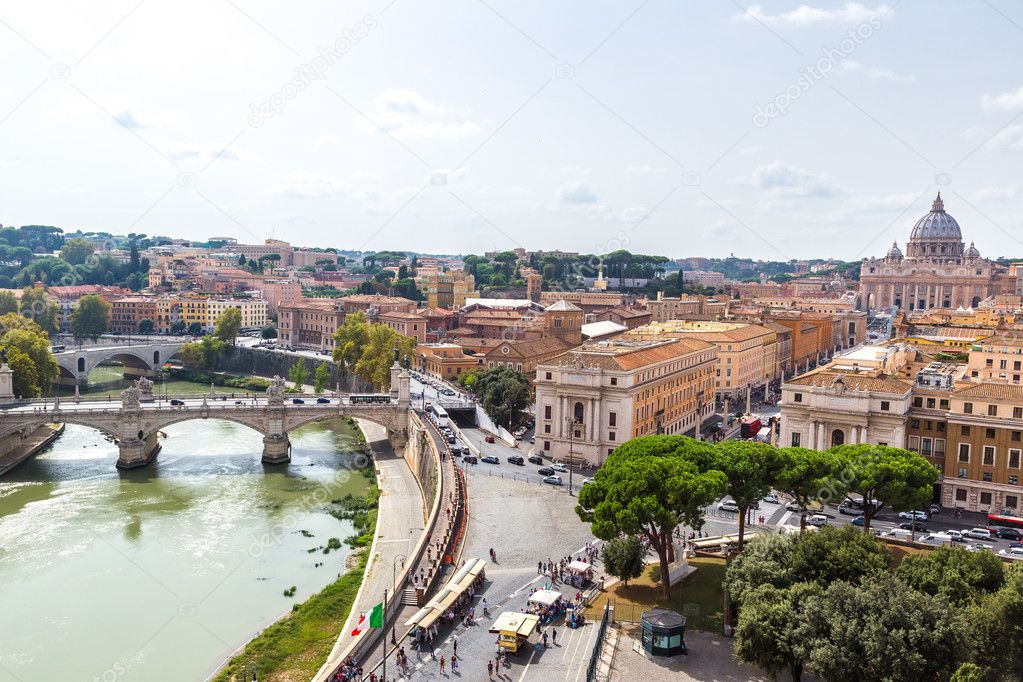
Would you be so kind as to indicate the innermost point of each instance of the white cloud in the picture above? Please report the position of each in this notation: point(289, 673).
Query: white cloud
point(995, 193)
point(198, 151)
point(780, 178)
point(405, 113)
point(1009, 137)
point(304, 186)
point(1006, 101)
point(805, 15)
point(576, 193)
point(875, 73)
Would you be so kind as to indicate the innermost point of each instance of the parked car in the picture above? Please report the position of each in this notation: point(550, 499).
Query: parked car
point(772, 498)
point(792, 506)
point(847, 508)
point(728, 506)
point(490, 459)
point(817, 520)
point(1012, 553)
point(175, 401)
point(536, 459)
point(915, 514)
point(585, 481)
point(558, 466)
point(978, 533)
point(1010, 534)
point(956, 535)
point(858, 521)
point(977, 547)
point(515, 459)
point(470, 459)
point(489, 439)
point(553, 480)
point(917, 526)
point(545, 471)
point(323, 401)
point(297, 401)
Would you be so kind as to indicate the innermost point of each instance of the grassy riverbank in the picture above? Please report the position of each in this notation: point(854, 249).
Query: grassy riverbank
point(296, 646)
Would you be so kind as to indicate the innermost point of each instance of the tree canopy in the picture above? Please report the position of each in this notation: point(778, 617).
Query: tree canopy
point(503, 393)
point(892, 477)
point(90, 318)
point(228, 322)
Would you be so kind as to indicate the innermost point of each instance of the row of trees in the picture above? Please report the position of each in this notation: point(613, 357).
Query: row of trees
point(28, 355)
point(650, 485)
point(837, 602)
point(501, 391)
point(367, 349)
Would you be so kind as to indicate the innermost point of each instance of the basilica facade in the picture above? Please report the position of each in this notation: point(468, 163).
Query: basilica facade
point(937, 270)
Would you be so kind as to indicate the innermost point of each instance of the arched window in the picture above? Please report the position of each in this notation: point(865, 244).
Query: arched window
point(156, 358)
point(837, 437)
point(578, 412)
point(81, 364)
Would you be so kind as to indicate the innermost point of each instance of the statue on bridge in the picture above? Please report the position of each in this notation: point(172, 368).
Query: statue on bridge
point(275, 391)
point(131, 398)
point(145, 386)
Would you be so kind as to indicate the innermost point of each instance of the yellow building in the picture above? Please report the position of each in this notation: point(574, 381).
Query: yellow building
point(448, 289)
point(195, 310)
point(253, 311)
point(747, 354)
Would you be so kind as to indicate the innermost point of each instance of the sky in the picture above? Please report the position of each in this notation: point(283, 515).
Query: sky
point(775, 130)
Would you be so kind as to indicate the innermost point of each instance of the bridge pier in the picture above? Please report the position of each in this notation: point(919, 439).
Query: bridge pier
point(276, 449)
point(397, 438)
point(138, 452)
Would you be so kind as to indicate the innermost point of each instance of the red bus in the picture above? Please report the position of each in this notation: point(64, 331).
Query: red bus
point(999, 520)
point(750, 427)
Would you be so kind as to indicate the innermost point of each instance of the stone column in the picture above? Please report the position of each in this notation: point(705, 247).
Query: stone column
point(276, 449)
point(6, 385)
point(137, 452)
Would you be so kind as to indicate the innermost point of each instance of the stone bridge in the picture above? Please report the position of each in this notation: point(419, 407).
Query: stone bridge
point(140, 359)
point(135, 423)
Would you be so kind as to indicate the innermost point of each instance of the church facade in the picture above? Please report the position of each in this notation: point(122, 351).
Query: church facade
point(937, 270)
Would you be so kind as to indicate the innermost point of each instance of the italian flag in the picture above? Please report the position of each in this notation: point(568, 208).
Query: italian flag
point(373, 619)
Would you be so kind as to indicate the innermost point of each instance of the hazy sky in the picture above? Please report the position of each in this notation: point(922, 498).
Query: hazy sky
point(775, 130)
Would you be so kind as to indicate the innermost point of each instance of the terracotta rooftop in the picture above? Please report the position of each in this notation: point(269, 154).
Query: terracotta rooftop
point(995, 391)
point(825, 378)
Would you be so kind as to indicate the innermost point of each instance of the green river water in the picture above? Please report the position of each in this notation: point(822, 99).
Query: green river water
point(160, 573)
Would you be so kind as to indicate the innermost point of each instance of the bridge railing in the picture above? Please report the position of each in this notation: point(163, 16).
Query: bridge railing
point(219, 398)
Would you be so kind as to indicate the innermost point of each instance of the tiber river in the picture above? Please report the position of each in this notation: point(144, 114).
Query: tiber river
point(161, 573)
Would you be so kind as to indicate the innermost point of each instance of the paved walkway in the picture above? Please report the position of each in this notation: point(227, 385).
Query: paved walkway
point(402, 517)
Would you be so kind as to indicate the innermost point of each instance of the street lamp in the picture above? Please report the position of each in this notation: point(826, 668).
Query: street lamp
point(394, 580)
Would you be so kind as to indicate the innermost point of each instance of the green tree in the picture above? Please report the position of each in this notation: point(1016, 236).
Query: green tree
point(968, 672)
point(268, 332)
point(90, 318)
point(204, 353)
point(298, 374)
point(996, 629)
point(502, 392)
point(146, 326)
point(374, 365)
point(882, 629)
point(959, 575)
point(28, 355)
point(41, 309)
point(25, 377)
point(646, 487)
point(195, 329)
point(76, 251)
point(750, 468)
point(227, 325)
point(178, 328)
point(809, 476)
point(773, 628)
point(623, 557)
point(321, 378)
point(894, 477)
point(350, 340)
point(8, 303)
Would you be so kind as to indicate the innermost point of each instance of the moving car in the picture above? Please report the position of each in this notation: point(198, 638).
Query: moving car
point(817, 520)
point(978, 533)
point(470, 459)
point(515, 459)
point(1012, 553)
point(956, 535)
point(323, 401)
point(728, 505)
point(792, 506)
point(490, 459)
point(535, 459)
point(772, 498)
point(858, 521)
point(545, 471)
point(553, 480)
point(847, 508)
point(911, 515)
point(918, 526)
point(1010, 534)
point(558, 466)
point(297, 401)
point(175, 401)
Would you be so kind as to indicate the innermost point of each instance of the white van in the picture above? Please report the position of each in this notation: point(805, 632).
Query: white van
point(817, 520)
point(899, 534)
point(936, 539)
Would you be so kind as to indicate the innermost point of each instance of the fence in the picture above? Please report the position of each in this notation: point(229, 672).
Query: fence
point(591, 668)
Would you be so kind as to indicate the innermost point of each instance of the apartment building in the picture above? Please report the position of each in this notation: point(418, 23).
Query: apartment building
point(447, 289)
point(310, 323)
point(445, 360)
point(593, 398)
point(664, 309)
point(998, 357)
point(407, 324)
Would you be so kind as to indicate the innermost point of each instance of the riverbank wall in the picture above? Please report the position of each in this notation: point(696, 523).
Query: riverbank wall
point(19, 447)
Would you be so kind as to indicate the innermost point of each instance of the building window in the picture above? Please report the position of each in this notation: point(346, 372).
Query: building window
point(965, 430)
point(547, 376)
point(914, 423)
point(925, 447)
point(918, 402)
point(1011, 501)
point(989, 456)
point(546, 445)
point(885, 406)
point(612, 419)
point(1017, 413)
point(930, 403)
point(546, 411)
point(614, 381)
point(577, 413)
point(992, 410)
point(1017, 436)
point(989, 433)
point(797, 397)
point(1013, 480)
point(914, 444)
point(968, 408)
point(960, 494)
point(1014, 459)
point(985, 499)
point(964, 452)
point(943, 403)
point(546, 428)
point(610, 435)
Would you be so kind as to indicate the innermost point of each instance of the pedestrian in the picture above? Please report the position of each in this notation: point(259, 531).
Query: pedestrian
point(544, 639)
point(490, 669)
point(454, 647)
point(554, 636)
point(486, 608)
point(539, 567)
point(443, 662)
point(454, 663)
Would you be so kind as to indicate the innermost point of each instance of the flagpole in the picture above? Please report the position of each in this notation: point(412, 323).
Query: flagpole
point(383, 630)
